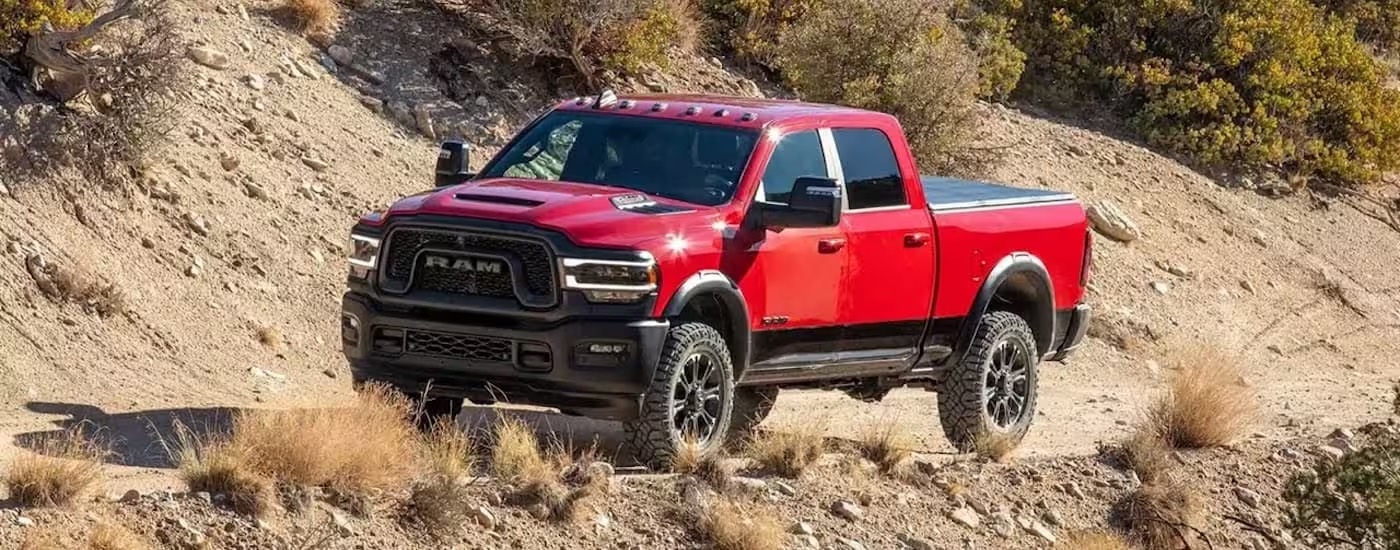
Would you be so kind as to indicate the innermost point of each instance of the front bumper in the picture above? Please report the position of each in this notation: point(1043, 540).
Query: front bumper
point(1074, 334)
point(534, 364)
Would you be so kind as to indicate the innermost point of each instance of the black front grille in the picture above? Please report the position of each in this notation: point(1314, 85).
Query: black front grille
point(534, 261)
point(447, 279)
point(458, 346)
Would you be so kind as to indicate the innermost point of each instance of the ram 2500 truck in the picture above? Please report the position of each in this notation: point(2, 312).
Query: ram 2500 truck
point(672, 262)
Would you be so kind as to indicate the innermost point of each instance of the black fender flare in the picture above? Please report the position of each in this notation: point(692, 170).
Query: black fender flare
point(1042, 314)
point(737, 325)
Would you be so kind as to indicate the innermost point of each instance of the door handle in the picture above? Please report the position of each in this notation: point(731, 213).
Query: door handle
point(830, 246)
point(915, 240)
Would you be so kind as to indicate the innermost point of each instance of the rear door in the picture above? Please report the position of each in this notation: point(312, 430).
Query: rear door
point(791, 277)
point(888, 294)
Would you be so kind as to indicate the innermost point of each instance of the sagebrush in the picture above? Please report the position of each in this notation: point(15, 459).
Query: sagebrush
point(1350, 503)
point(1244, 85)
point(901, 57)
point(57, 470)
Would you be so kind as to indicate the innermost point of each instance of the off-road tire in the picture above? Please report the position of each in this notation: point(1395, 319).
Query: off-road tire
point(962, 398)
point(651, 437)
point(751, 405)
point(428, 410)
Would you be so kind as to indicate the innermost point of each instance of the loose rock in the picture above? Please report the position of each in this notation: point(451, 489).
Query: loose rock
point(1248, 497)
point(847, 510)
point(915, 543)
point(315, 164)
point(1108, 220)
point(209, 57)
point(341, 54)
point(802, 528)
point(484, 517)
point(966, 517)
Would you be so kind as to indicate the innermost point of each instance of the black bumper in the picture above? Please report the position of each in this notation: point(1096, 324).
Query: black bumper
point(548, 365)
point(1074, 334)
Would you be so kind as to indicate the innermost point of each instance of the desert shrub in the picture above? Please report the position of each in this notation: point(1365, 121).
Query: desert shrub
point(994, 446)
point(20, 19)
point(595, 41)
point(1377, 21)
point(1249, 85)
point(132, 73)
point(1145, 452)
point(886, 443)
point(1162, 515)
point(1093, 540)
point(902, 57)
point(750, 29)
point(60, 468)
point(439, 501)
point(311, 16)
point(788, 452)
point(1207, 402)
point(1350, 503)
point(218, 468)
point(707, 466)
point(732, 525)
point(1000, 62)
point(113, 536)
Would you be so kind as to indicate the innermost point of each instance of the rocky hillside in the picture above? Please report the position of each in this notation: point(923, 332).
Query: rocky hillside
point(226, 257)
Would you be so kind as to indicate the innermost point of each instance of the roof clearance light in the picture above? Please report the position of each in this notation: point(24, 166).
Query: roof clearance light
point(722, 113)
point(626, 104)
point(658, 107)
point(692, 111)
point(748, 117)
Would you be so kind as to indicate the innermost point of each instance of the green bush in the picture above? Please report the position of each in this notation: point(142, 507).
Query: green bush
point(1350, 503)
point(1377, 21)
point(749, 29)
point(901, 57)
point(21, 18)
point(1253, 85)
point(1000, 62)
point(596, 39)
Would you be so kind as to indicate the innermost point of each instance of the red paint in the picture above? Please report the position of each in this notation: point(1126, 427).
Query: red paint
point(886, 268)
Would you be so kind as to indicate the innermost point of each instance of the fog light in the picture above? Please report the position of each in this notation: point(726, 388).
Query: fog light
point(611, 349)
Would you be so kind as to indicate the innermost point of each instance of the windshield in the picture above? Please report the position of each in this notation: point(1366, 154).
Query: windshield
point(681, 160)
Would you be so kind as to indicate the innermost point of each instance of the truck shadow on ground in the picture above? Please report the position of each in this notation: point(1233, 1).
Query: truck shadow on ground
point(152, 438)
point(147, 439)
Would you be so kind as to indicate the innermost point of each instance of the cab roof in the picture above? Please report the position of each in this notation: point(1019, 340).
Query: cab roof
point(720, 110)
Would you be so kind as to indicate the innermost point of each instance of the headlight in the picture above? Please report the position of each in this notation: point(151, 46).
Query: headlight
point(610, 281)
point(364, 251)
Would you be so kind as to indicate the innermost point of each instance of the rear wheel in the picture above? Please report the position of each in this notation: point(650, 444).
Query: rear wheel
point(690, 398)
point(992, 391)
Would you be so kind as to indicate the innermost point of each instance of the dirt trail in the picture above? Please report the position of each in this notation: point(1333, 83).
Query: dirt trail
point(238, 227)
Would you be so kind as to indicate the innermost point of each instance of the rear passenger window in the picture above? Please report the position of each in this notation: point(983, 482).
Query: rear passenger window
point(797, 155)
point(870, 168)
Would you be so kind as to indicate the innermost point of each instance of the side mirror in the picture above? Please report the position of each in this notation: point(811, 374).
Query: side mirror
point(454, 164)
point(814, 202)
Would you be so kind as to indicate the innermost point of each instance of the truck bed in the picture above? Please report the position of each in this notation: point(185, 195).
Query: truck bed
point(950, 194)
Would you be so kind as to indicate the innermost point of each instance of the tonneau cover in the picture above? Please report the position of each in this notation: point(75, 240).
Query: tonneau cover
point(945, 194)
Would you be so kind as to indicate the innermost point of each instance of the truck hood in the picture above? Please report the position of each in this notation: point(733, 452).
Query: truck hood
point(590, 215)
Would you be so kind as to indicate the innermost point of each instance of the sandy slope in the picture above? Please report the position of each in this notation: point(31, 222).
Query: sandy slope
point(188, 347)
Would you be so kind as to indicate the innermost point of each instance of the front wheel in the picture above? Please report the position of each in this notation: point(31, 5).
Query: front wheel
point(991, 392)
point(690, 398)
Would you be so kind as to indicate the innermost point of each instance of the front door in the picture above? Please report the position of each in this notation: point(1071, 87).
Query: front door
point(888, 294)
point(791, 277)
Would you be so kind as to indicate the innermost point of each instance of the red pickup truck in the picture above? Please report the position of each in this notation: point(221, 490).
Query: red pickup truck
point(672, 261)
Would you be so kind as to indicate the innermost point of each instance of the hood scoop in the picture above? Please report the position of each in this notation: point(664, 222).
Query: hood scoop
point(513, 201)
point(642, 204)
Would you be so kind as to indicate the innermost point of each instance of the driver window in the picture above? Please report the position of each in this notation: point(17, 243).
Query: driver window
point(797, 155)
point(544, 160)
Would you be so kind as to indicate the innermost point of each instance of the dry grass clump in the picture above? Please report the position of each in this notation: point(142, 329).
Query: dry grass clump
point(1207, 403)
point(560, 485)
point(222, 469)
point(1161, 515)
point(111, 536)
point(995, 447)
point(1147, 454)
point(61, 468)
point(74, 286)
point(709, 467)
point(270, 336)
point(790, 452)
point(1093, 540)
point(440, 500)
point(734, 526)
point(352, 450)
point(886, 443)
point(312, 16)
